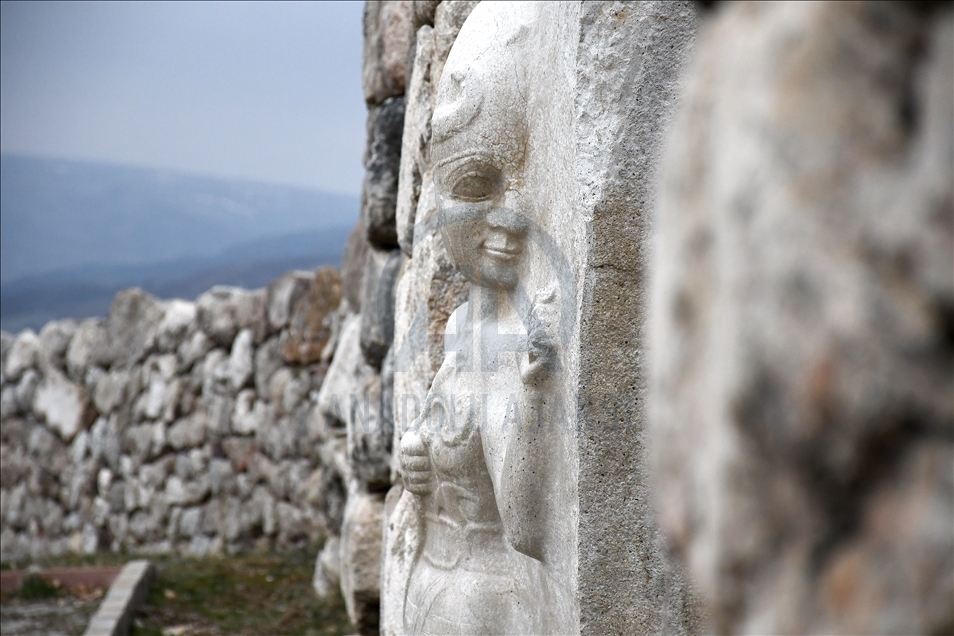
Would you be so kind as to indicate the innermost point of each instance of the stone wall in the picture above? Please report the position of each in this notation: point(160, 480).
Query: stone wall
point(173, 425)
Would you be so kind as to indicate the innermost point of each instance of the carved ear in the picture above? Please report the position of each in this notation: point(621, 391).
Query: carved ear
point(460, 100)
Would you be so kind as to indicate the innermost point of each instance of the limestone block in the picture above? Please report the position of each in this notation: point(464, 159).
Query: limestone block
point(388, 29)
point(546, 124)
point(353, 265)
point(377, 319)
point(361, 559)
point(193, 349)
point(802, 368)
point(292, 526)
point(415, 138)
point(8, 402)
point(283, 293)
point(379, 190)
point(177, 325)
point(131, 326)
point(163, 389)
point(88, 347)
point(240, 365)
point(328, 569)
point(26, 389)
point(137, 442)
point(268, 359)
point(181, 493)
point(22, 355)
point(344, 374)
point(310, 326)
point(190, 521)
point(188, 432)
point(110, 390)
point(63, 405)
point(250, 414)
point(224, 311)
point(55, 339)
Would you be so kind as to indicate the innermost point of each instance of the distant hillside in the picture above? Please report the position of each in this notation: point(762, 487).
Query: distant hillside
point(58, 214)
point(72, 234)
point(86, 291)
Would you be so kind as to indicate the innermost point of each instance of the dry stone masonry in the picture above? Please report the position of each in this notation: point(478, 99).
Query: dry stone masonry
point(172, 425)
point(645, 327)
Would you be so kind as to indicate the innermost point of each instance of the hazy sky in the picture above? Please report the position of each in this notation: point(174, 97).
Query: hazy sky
point(269, 91)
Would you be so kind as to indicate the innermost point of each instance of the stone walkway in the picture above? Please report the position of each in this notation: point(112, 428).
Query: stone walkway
point(66, 616)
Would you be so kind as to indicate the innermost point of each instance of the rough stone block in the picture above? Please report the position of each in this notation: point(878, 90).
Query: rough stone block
point(310, 326)
point(388, 30)
point(63, 405)
point(282, 294)
point(802, 348)
point(377, 319)
point(224, 311)
point(361, 559)
point(380, 188)
point(131, 326)
point(22, 355)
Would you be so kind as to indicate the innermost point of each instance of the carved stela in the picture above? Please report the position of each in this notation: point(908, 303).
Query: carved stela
point(484, 463)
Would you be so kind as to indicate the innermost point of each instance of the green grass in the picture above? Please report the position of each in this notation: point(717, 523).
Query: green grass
point(239, 594)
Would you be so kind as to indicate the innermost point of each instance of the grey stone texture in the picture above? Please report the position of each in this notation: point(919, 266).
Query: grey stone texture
point(379, 191)
point(802, 342)
point(171, 425)
point(388, 29)
point(377, 319)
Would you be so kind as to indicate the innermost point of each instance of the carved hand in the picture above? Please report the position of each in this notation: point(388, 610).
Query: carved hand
point(415, 463)
point(543, 357)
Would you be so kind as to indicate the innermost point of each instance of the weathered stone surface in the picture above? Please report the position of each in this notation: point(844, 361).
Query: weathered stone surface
point(283, 293)
point(64, 405)
point(177, 325)
point(193, 349)
point(361, 559)
point(327, 577)
point(132, 325)
point(111, 390)
point(449, 17)
point(55, 339)
point(428, 290)
point(240, 365)
point(377, 319)
point(224, 311)
point(88, 347)
point(189, 432)
point(801, 332)
point(250, 415)
point(353, 265)
point(379, 191)
point(415, 138)
point(562, 188)
point(22, 355)
point(388, 29)
point(310, 326)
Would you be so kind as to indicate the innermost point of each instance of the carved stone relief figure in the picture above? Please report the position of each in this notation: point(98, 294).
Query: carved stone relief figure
point(475, 462)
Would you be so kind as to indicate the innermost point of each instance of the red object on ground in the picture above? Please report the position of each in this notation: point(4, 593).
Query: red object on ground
point(67, 577)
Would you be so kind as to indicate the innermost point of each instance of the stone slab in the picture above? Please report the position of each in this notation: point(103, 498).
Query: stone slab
point(127, 592)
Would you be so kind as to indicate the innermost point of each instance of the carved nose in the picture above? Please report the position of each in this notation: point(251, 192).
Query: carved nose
point(508, 221)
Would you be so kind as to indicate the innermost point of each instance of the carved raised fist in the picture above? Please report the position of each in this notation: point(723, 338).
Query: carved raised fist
point(415, 463)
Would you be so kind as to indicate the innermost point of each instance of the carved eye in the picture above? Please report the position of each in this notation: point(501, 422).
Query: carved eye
point(474, 186)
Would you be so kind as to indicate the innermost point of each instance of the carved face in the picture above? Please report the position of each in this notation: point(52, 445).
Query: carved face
point(484, 230)
point(479, 145)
